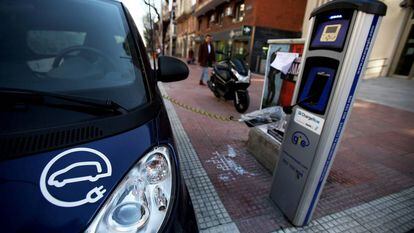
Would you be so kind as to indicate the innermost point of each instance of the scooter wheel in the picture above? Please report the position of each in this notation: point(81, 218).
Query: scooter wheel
point(243, 104)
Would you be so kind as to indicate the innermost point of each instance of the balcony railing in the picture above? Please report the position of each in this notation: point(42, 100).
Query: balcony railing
point(206, 6)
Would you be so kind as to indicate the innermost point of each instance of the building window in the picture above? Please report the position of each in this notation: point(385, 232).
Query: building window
point(229, 11)
point(220, 16)
point(199, 23)
point(213, 18)
point(240, 12)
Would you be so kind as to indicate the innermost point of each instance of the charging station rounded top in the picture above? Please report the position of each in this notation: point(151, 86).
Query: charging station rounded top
point(368, 6)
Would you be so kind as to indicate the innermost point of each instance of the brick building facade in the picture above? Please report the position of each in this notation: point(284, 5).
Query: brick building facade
point(186, 27)
point(244, 26)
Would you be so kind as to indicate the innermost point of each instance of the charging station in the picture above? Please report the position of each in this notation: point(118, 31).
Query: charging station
point(336, 52)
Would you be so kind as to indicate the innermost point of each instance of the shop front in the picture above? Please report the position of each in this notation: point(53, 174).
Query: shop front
point(249, 42)
point(233, 42)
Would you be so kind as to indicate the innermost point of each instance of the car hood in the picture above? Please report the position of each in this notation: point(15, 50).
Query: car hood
point(48, 192)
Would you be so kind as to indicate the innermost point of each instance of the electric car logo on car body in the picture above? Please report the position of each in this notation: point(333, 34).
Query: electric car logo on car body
point(68, 175)
point(299, 138)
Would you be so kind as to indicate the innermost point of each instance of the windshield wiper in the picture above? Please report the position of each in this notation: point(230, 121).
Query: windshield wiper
point(106, 105)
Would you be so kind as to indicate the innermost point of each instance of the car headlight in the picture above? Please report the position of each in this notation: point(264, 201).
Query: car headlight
point(140, 202)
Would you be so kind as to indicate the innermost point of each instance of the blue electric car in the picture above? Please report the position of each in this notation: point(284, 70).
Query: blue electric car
point(85, 141)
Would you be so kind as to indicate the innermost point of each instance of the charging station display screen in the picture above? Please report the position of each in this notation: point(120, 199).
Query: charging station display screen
point(330, 35)
point(330, 30)
point(317, 84)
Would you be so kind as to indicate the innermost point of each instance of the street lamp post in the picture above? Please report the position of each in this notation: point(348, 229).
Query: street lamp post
point(171, 28)
point(161, 22)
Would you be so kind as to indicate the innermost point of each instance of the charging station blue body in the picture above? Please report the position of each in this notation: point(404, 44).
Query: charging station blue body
point(335, 55)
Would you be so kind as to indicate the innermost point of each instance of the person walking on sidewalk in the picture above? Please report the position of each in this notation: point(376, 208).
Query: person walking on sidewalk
point(206, 57)
point(190, 59)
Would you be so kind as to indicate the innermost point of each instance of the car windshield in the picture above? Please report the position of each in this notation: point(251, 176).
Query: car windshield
point(72, 47)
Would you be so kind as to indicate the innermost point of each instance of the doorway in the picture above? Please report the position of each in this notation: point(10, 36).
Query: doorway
point(403, 66)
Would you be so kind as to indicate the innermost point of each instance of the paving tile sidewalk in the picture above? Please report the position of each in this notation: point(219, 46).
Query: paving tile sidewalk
point(210, 212)
point(392, 213)
point(376, 157)
point(393, 92)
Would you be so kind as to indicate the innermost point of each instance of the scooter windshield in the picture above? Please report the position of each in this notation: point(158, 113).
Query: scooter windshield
point(240, 66)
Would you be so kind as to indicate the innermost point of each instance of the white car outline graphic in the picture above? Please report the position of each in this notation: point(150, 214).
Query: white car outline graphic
point(53, 181)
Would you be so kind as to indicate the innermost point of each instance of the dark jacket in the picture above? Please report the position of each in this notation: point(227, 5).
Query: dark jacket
point(204, 58)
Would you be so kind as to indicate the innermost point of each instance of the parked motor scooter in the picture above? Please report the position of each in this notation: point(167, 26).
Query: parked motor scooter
point(230, 79)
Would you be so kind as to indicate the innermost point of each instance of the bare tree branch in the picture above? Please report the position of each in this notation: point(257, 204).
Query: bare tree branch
point(154, 8)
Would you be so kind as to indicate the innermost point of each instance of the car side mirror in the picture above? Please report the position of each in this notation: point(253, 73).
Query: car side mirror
point(171, 69)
